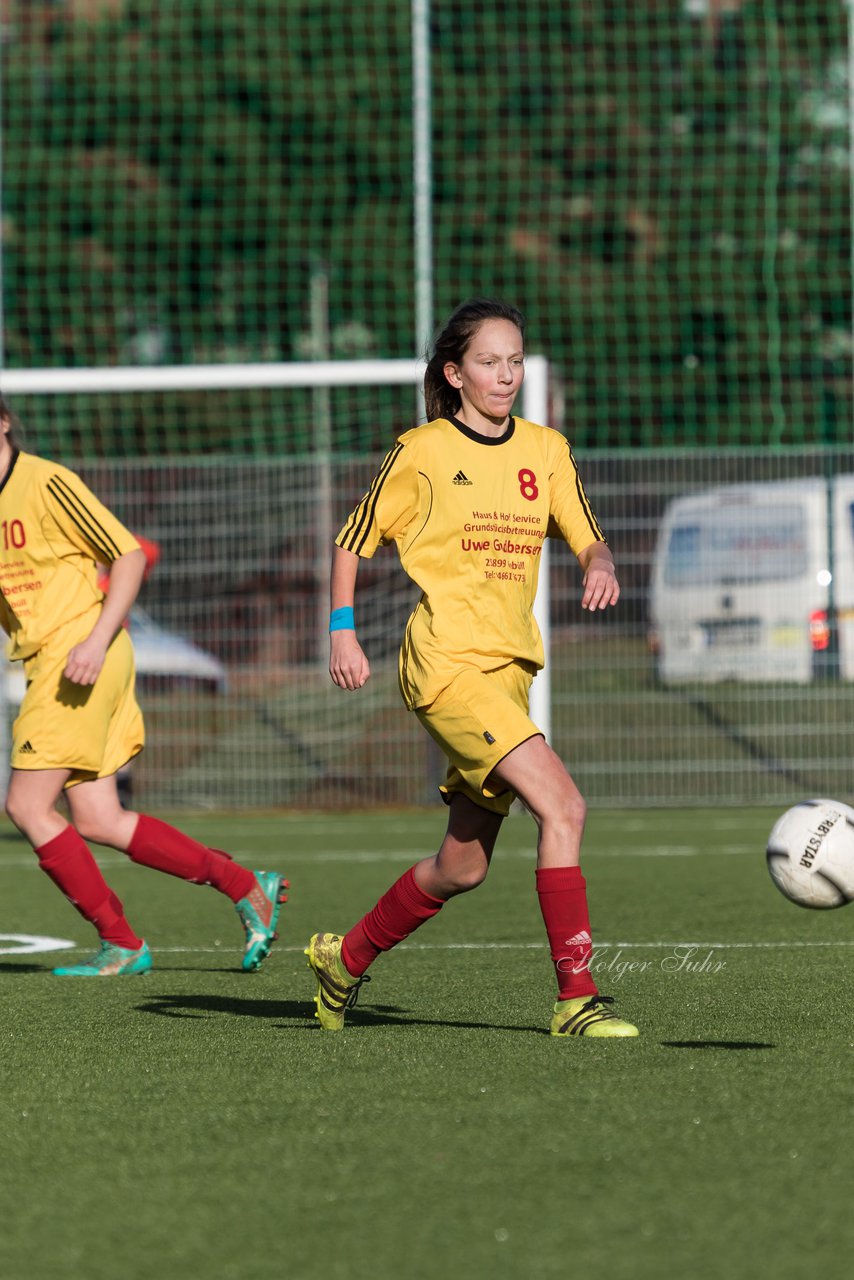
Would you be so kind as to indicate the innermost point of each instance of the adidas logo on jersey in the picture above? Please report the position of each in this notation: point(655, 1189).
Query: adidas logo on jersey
point(462, 478)
point(27, 749)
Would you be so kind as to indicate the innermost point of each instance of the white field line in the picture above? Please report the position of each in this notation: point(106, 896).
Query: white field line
point(286, 858)
point(523, 946)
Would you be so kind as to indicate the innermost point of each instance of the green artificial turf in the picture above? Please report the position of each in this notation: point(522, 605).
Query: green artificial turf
point(196, 1123)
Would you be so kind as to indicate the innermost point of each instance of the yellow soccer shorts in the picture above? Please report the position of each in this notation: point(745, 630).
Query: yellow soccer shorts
point(478, 720)
point(91, 729)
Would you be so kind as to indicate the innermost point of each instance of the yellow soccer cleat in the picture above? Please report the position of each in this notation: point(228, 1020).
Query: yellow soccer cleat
point(337, 989)
point(589, 1016)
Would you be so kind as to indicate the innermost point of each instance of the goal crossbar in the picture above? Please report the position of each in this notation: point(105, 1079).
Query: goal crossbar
point(213, 377)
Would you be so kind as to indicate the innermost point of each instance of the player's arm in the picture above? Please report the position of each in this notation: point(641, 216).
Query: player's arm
point(87, 658)
point(572, 518)
point(601, 587)
point(348, 664)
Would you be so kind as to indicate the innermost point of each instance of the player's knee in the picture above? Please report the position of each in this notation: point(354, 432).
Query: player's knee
point(464, 879)
point(15, 811)
point(92, 830)
point(572, 816)
point(566, 811)
point(575, 808)
point(32, 820)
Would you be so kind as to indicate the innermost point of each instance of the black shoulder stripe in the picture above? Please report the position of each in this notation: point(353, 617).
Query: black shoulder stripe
point(92, 531)
point(584, 500)
point(360, 521)
point(356, 530)
point(349, 530)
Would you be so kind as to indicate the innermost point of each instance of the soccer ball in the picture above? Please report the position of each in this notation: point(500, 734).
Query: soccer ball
point(811, 853)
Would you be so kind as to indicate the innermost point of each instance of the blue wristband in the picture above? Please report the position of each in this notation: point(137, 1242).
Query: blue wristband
point(342, 619)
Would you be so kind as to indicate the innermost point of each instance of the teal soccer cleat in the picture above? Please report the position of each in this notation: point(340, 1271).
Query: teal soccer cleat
point(259, 915)
point(110, 961)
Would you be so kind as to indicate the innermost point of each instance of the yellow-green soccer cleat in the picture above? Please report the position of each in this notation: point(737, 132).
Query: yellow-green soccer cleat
point(337, 989)
point(589, 1016)
point(110, 961)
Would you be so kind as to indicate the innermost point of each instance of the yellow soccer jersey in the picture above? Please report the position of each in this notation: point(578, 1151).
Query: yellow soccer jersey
point(53, 530)
point(469, 515)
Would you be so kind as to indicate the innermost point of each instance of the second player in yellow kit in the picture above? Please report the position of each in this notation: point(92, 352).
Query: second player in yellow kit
point(79, 721)
point(54, 527)
point(469, 499)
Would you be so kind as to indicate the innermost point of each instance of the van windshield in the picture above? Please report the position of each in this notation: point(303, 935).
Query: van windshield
point(738, 544)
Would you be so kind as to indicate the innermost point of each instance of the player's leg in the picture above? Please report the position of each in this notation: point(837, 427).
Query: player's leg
point(115, 721)
point(465, 853)
point(541, 781)
point(258, 896)
point(461, 864)
point(66, 858)
point(59, 736)
point(468, 721)
point(340, 962)
point(98, 814)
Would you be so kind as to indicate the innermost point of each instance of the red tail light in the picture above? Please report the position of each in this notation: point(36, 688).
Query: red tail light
point(819, 630)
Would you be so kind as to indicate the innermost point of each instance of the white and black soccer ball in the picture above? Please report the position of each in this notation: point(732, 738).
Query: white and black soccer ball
point(811, 853)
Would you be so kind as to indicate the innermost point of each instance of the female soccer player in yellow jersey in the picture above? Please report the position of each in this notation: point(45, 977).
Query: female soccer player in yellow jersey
point(468, 499)
point(79, 721)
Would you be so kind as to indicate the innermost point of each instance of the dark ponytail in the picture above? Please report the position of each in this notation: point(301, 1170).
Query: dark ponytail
point(441, 399)
point(13, 435)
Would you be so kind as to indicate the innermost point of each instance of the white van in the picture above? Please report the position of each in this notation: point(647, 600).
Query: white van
point(744, 576)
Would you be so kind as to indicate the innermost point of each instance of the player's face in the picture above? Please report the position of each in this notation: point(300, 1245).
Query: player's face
point(489, 376)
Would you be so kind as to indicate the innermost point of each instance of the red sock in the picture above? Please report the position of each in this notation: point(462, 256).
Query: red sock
point(399, 912)
point(563, 901)
point(68, 860)
point(156, 844)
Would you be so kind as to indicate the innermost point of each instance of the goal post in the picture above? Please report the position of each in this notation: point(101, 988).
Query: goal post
point(535, 403)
